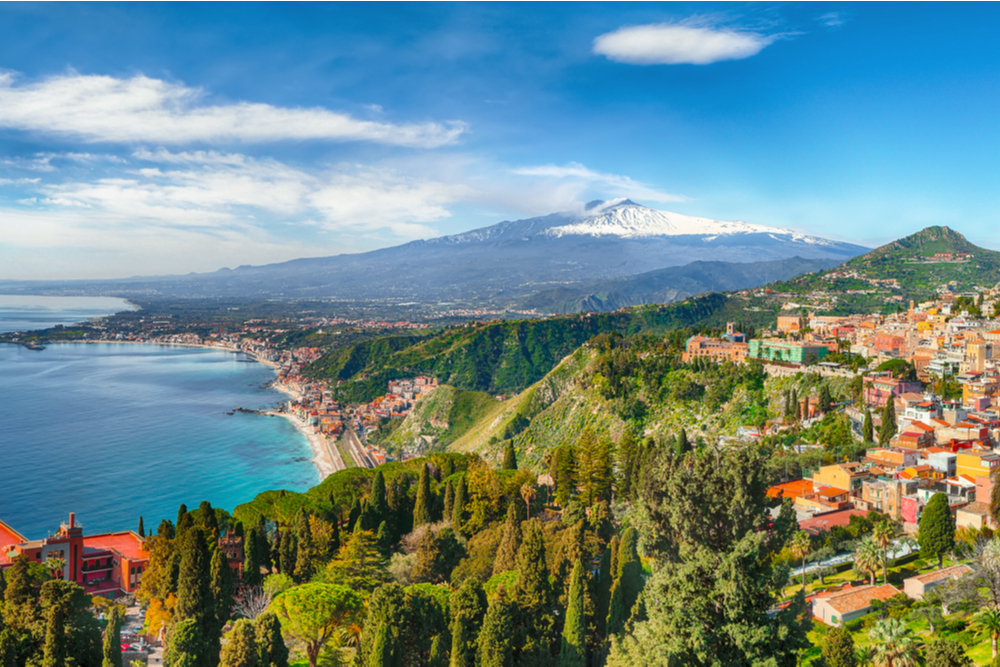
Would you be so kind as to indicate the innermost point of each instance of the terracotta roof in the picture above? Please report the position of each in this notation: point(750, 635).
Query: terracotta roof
point(860, 598)
point(794, 489)
point(127, 543)
point(979, 508)
point(831, 492)
point(827, 520)
point(9, 537)
point(945, 573)
point(940, 422)
point(926, 428)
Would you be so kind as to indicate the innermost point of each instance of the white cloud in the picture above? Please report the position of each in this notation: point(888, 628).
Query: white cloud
point(614, 184)
point(833, 19)
point(147, 110)
point(676, 44)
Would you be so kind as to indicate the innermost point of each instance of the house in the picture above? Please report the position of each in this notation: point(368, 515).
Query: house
point(917, 587)
point(976, 463)
point(847, 605)
point(822, 523)
point(974, 515)
point(714, 349)
point(845, 476)
point(877, 389)
point(787, 351)
point(886, 495)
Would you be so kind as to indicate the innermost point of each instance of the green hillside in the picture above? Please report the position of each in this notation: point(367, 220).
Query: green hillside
point(439, 419)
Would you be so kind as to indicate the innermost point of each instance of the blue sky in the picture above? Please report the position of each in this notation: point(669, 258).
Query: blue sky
point(167, 138)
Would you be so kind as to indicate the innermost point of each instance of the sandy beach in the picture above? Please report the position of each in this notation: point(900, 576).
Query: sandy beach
point(326, 457)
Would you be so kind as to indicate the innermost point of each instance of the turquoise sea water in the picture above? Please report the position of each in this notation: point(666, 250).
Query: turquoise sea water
point(28, 313)
point(115, 431)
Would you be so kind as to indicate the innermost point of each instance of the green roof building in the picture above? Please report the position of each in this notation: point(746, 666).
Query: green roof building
point(788, 352)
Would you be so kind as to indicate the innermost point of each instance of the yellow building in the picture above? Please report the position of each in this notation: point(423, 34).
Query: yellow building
point(976, 464)
point(845, 476)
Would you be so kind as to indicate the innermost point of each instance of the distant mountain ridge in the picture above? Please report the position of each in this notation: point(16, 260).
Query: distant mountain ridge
point(500, 264)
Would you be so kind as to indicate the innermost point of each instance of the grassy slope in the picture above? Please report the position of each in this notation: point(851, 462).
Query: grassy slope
point(444, 415)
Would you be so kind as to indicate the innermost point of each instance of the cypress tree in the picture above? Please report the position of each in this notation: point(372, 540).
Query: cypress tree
point(303, 549)
point(422, 511)
point(825, 400)
point(510, 542)
point(381, 643)
point(382, 538)
point(187, 645)
point(263, 545)
point(683, 444)
point(182, 510)
point(838, 648)
point(936, 529)
point(458, 510)
point(793, 405)
point(287, 553)
point(251, 559)
point(378, 505)
point(273, 652)
point(142, 530)
point(56, 596)
point(497, 639)
point(165, 529)
point(381, 653)
point(534, 594)
point(184, 520)
point(241, 648)
point(468, 607)
point(628, 582)
point(606, 579)
point(112, 650)
point(439, 650)
point(194, 600)
point(449, 500)
point(509, 457)
point(574, 637)
point(888, 428)
point(354, 514)
point(868, 427)
point(8, 649)
point(208, 520)
point(222, 593)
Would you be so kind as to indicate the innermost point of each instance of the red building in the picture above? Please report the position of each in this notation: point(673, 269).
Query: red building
point(878, 388)
point(108, 565)
point(889, 345)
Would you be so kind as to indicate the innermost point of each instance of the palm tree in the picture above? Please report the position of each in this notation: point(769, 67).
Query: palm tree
point(892, 644)
point(800, 547)
point(989, 620)
point(867, 558)
point(882, 533)
point(863, 656)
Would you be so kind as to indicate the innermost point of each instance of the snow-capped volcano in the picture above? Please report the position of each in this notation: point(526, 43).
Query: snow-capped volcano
point(626, 219)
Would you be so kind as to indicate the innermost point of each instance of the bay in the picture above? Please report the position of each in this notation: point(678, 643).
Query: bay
point(114, 431)
point(30, 313)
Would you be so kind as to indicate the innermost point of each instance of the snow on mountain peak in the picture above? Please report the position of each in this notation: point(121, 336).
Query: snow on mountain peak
point(625, 218)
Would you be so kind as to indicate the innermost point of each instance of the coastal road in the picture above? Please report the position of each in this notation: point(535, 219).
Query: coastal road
point(357, 451)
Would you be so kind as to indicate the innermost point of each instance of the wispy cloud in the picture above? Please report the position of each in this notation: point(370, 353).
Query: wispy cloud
point(147, 110)
point(679, 43)
point(833, 19)
point(613, 184)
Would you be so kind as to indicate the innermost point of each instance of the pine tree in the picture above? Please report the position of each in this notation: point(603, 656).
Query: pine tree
point(564, 474)
point(458, 511)
point(868, 428)
point(574, 641)
point(510, 542)
point(888, 428)
point(936, 529)
point(509, 457)
point(241, 648)
point(423, 510)
point(56, 597)
point(182, 511)
point(449, 500)
point(468, 607)
point(142, 530)
point(273, 652)
point(497, 639)
point(222, 592)
point(113, 639)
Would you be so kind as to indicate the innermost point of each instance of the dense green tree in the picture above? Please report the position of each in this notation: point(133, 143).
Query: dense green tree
point(183, 519)
point(186, 647)
point(946, 652)
point(423, 510)
point(112, 650)
point(382, 642)
point(56, 599)
point(868, 428)
point(273, 652)
point(354, 515)
point(573, 652)
point(437, 555)
point(888, 428)
point(208, 520)
point(449, 500)
point(165, 529)
point(681, 443)
point(628, 581)
point(708, 525)
point(378, 504)
point(251, 558)
point(468, 608)
point(509, 457)
point(461, 499)
point(892, 644)
point(288, 552)
point(605, 582)
point(498, 638)
point(563, 472)
point(838, 648)
point(510, 542)
point(8, 648)
point(595, 473)
point(222, 594)
point(825, 401)
point(793, 404)
point(241, 648)
point(194, 595)
point(303, 549)
point(20, 608)
point(936, 529)
point(317, 615)
point(382, 538)
point(359, 564)
point(534, 595)
point(141, 529)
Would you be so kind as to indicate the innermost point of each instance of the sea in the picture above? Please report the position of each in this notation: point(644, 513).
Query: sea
point(28, 313)
point(115, 431)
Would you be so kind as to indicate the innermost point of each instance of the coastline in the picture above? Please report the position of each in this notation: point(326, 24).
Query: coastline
point(326, 458)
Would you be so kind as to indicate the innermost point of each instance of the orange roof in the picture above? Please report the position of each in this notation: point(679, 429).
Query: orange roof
point(922, 426)
point(860, 598)
point(794, 489)
point(944, 573)
point(9, 537)
point(831, 492)
point(127, 543)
